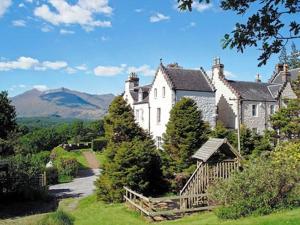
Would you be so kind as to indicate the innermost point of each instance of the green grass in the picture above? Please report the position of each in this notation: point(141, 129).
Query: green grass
point(100, 157)
point(89, 211)
point(77, 154)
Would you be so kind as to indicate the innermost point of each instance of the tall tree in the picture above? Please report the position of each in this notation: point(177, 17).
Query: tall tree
point(131, 157)
point(294, 61)
point(283, 57)
point(185, 133)
point(7, 116)
point(269, 27)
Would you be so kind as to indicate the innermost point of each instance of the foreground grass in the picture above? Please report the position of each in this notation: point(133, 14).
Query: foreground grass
point(89, 211)
point(100, 157)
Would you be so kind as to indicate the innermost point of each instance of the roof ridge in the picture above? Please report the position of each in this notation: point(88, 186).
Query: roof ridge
point(226, 83)
point(207, 79)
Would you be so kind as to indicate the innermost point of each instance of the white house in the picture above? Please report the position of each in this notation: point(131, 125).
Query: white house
point(152, 103)
point(229, 101)
point(251, 103)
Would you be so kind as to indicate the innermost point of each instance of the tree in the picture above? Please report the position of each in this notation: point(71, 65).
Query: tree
point(185, 134)
point(269, 28)
point(7, 116)
point(131, 156)
point(294, 61)
point(283, 57)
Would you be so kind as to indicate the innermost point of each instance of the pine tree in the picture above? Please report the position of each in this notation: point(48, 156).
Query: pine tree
point(283, 57)
point(7, 116)
point(185, 134)
point(131, 156)
point(294, 61)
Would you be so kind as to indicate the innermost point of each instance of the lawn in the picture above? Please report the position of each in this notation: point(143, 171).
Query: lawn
point(88, 211)
point(100, 157)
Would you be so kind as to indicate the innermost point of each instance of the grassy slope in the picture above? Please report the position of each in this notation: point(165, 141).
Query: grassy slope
point(91, 212)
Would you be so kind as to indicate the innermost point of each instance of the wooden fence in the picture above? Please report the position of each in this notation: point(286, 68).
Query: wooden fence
point(153, 207)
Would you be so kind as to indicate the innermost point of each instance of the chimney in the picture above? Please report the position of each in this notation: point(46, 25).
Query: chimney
point(257, 79)
point(286, 76)
point(131, 82)
point(217, 69)
point(279, 68)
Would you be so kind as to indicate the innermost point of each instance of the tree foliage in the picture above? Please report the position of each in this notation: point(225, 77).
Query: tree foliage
point(131, 157)
point(268, 28)
point(266, 184)
point(185, 133)
point(7, 116)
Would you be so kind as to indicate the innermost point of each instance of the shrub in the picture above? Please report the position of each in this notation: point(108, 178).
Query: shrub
point(59, 217)
point(99, 144)
point(67, 167)
point(266, 184)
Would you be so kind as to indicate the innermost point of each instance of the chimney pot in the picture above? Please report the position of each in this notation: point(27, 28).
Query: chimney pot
point(257, 79)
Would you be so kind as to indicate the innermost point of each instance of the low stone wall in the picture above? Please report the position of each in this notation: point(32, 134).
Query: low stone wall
point(70, 147)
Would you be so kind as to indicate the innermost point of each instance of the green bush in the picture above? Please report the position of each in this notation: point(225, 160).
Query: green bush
point(57, 218)
point(99, 144)
point(266, 184)
point(67, 167)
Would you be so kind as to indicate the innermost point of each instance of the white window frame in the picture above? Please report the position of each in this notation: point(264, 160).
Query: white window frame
point(163, 92)
point(272, 109)
point(155, 92)
point(254, 110)
point(158, 142)
point(142, 115)
point(137, 114)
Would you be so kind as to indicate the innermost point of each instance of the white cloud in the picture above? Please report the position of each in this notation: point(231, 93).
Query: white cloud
point(70, 70)
point(81, 13)
point(158, 17)
point(228, 74)
point(41, 87)
point(30, 1)
point(21, 5)
point(19, 23)
point(104, 38)
point(138, 10)
point(200, 7)
point(46, 29)
point(4, 5)
point(82, 67)
point(108, 70)
point(64, 31)
point(144, 69)
point(27, 63)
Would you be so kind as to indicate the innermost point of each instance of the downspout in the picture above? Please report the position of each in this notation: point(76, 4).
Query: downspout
point(239, 127)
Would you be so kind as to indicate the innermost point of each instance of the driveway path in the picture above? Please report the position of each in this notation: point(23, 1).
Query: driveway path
point(83, 184)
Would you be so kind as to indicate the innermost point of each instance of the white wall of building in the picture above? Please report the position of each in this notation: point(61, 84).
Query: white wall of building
point(141, 113)
point(164, 103)
point(205, 102)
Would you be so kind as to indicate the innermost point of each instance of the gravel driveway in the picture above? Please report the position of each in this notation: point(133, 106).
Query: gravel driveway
point(81, 186)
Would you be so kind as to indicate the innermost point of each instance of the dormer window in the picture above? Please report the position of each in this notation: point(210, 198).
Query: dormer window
point(155, 92)
point(164, 92)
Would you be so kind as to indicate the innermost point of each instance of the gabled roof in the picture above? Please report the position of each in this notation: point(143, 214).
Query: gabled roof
point(188, 79)
point(211, 147)
point(275, 89)
point(255, 91)
point(135, 93)
point(277, 78)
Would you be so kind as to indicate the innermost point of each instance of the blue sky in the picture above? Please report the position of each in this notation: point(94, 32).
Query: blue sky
point(92, 45)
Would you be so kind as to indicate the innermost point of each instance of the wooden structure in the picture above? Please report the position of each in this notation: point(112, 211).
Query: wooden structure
point(216, 159)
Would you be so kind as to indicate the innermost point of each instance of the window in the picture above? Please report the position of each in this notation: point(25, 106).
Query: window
point(163, 92)
point(142, 115)
point(155, 93)
point(158, 142)
point(140, 96)
point(254, 130)
point(254, 110)
point(272, 109)
point(137, 115)
point(158, 115)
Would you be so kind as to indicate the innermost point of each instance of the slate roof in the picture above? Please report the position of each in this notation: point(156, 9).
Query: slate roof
point(187, 79)
point(135, 93)
point(277, 78)
point(255, 91)
point(275, 89)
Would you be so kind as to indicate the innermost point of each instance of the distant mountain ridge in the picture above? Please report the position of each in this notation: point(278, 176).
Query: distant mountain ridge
point(61, 102)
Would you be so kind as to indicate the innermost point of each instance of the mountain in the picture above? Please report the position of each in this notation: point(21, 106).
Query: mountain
point(61, 102)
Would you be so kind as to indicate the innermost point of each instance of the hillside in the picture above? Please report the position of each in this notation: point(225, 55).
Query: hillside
point(62, 103)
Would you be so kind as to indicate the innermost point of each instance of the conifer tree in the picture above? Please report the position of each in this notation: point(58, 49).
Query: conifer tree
point(294, 61)
point(7, 116)
point(283, 57)
point(131, 156)
point(185, 134)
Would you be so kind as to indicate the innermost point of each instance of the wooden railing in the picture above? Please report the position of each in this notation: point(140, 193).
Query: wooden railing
point(161, 206)
point(202, 177)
